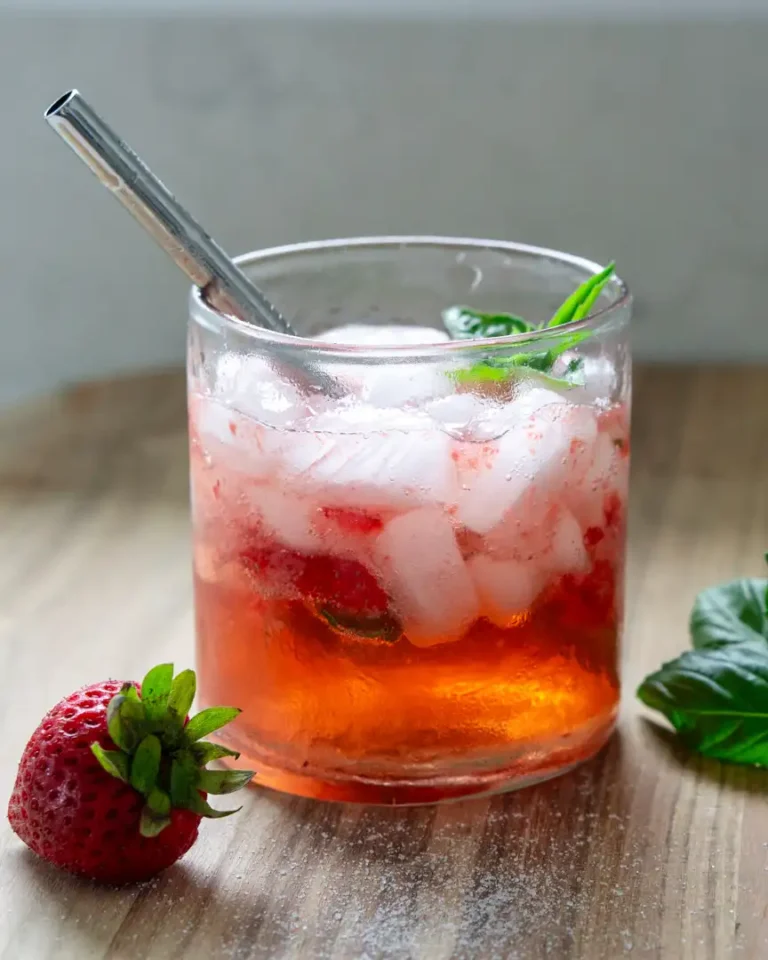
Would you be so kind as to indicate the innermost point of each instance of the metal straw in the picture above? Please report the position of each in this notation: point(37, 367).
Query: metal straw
point(224, 286)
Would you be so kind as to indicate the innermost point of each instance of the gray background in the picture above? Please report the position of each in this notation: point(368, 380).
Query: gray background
point(643, 138)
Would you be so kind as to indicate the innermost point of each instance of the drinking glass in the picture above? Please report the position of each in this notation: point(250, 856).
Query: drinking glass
point(409, 550)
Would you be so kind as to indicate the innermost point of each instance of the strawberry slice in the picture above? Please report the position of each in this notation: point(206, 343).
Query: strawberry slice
point(342, 585)
point(345, 587)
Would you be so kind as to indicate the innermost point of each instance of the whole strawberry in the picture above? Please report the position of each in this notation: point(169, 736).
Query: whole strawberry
point(112, 784)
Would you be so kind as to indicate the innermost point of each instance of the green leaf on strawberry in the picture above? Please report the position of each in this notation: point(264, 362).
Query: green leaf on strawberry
point(145, 766)
point(182, 694)
point(223, 781)
point(126, 718)
point(209, 720)
point(206, 752)
point(155, 688)
point(199, 805)
point(156, 814)
point(115, 762)
point(159, 750)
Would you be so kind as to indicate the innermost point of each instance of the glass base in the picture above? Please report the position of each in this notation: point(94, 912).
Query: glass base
point(531, 764)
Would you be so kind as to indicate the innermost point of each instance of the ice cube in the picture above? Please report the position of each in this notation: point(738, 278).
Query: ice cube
point(587, 497)
point(219, 567)
point(541, 532)
point(567, 553)
point(519, 565)
point(550, 448)
point(349, 533)
point(392, 469)
point(468, 417)
point(253, 387)
point(608, 473)
point(423, 571)
point(507, 588)
point(288, 519)
point(206, 560)
point(384, 335)
point(366, 419)
point(614, 421)
point(384, 383)
point(404, 385)
point(212, 421)
point(532, 399)
point(525, 531)
point(235, 446)
point(473, 417)
point(234, 420)
point(491, 480)
point(599, 380)
point(457, 411)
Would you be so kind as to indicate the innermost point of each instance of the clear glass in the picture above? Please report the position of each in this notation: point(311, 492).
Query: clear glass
point(408, 570)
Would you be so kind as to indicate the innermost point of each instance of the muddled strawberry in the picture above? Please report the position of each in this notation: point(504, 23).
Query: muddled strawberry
point(344, 585)
point(337, 583)
point(352, 521)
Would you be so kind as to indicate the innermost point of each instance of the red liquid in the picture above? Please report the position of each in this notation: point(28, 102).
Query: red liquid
point(338, 703)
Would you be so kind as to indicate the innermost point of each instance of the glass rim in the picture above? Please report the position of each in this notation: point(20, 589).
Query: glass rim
point(203, 313)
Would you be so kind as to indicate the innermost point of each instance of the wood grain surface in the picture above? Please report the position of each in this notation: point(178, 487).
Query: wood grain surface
point(645, 852)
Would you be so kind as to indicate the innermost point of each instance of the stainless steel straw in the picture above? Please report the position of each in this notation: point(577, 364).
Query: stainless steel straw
point(224, 286)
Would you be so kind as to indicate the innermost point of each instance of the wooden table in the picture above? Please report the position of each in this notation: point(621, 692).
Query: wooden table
point(645, 852)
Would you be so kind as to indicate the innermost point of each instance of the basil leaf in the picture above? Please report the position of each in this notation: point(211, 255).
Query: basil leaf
point(481, 373)
point(498, 369)
point(381, 627)
point(717, 699)
point(493, 372)
point(541, 361)
point(465, 324)
point(581, 301)
point(730, 613)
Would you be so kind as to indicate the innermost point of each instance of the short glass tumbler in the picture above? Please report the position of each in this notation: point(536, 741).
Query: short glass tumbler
point(409, 555)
